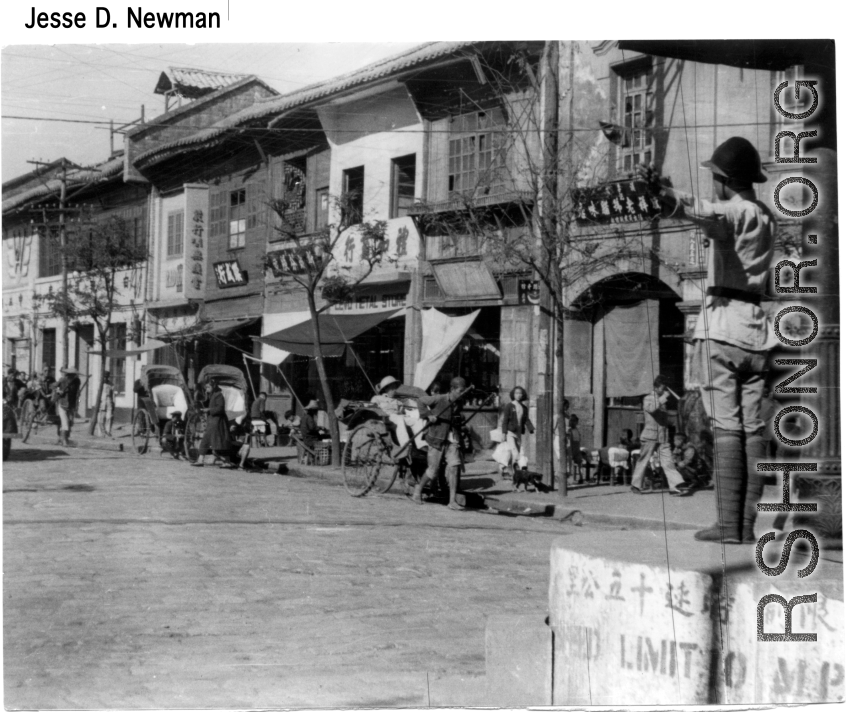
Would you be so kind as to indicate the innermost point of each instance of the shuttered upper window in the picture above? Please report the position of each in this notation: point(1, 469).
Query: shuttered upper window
point(176, 230)
point(477, 164)
point(235, 213)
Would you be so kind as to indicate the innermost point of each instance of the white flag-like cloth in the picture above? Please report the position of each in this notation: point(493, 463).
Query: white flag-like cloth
point(276, 322)
point(441, 334)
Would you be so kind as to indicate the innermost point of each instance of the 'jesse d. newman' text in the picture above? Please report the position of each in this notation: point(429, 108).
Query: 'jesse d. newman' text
point(136, 18)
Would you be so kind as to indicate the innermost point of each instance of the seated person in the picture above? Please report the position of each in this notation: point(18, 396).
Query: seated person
point(239, 445)
point(173, 435)
point(689, 463)
point(290, 421)
point(309, 430)
point(259, 413)
point(619, 455)
point(394, 407)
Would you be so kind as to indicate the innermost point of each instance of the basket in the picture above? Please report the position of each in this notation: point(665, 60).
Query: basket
point(323, 454)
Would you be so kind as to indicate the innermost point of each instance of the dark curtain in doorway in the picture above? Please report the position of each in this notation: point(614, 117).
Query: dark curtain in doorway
point(632, 348)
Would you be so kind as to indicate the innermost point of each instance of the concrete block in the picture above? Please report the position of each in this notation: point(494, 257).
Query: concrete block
point(674, 621)
point(518, 661)
point(778, 671)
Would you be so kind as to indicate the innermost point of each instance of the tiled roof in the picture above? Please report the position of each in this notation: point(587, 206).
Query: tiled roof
point(192, 83)
point(277, 105)
point(170, 116)
point(78, 177)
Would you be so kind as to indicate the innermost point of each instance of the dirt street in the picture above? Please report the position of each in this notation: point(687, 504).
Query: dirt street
point(138, 582)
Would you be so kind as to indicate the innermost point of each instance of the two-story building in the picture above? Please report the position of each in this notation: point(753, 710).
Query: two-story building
point(208, 219)
point(32, 215)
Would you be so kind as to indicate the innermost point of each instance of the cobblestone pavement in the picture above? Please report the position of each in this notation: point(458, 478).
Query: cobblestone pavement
point(140, 582)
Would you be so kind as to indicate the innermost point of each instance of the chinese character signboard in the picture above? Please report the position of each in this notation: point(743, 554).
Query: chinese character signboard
point(229, 274)
point(400, 251)
point(291, 261)
point(196, 229)
point(616, 202)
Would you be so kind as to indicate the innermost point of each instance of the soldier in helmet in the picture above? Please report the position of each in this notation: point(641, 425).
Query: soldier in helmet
point(733, 334)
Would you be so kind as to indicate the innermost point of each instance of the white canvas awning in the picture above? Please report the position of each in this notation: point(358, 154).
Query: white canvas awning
point(441, 334)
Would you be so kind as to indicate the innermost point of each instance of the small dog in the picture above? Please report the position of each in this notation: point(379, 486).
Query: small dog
point(530, 482)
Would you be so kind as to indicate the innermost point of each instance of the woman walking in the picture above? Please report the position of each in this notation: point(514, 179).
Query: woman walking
point(514, 422)
point(216, 436)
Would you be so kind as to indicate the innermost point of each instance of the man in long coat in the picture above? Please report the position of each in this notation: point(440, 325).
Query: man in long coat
point(216, 436)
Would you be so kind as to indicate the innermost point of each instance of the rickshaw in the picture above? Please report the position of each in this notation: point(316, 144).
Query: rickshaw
point(233, 385)
point(162, 391)
point(369, 462)
point(32, 415)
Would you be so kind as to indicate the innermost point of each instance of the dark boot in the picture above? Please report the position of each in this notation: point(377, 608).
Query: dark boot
point(756, 448)
point(64, 438)
point(729, 488)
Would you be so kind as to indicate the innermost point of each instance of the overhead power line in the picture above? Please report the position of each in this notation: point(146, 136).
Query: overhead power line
point(276, 129)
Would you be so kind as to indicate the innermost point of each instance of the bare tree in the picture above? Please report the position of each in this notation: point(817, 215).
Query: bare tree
point(304, 264)
point(554, 176)
point(99, 253)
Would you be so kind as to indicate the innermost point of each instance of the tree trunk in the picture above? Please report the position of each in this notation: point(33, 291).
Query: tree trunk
point(561, 431)
point(327, 393)
point(92, 425)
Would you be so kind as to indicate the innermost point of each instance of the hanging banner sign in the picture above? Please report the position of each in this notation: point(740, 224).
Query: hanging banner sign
point(617, 202)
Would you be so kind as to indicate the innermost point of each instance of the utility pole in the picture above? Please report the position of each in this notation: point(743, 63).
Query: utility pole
point(547, 232)
point(63, 242)
point(564, 188)
point(62, 209)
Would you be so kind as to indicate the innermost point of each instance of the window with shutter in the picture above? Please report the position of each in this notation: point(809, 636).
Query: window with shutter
point(176, 223)
point(218, 213)
point(255, 205)
point(237, 218)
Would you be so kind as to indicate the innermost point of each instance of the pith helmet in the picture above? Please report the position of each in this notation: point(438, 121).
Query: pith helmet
point(386, 382)
point(737, 158)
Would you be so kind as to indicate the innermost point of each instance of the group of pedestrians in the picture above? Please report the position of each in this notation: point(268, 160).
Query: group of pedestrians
point(49, 396)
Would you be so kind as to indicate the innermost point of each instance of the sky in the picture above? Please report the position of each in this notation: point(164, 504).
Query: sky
point(99, 83)
point(89, 74)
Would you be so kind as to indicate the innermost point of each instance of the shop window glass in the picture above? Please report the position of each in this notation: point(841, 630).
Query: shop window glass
point(353, 185)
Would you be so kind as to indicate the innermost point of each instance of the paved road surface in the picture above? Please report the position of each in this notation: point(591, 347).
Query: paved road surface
point(137, 582)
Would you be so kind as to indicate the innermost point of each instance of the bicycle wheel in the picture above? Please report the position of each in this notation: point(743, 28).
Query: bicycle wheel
point(361, 454)
point(142, 429)
point(385, 469)
point(194, 429)
point(26, 419)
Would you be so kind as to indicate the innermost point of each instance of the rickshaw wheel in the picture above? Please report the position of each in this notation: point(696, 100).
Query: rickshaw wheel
point(363, 461)
point(27, 419)
point(141, 430)
point(194, 429)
